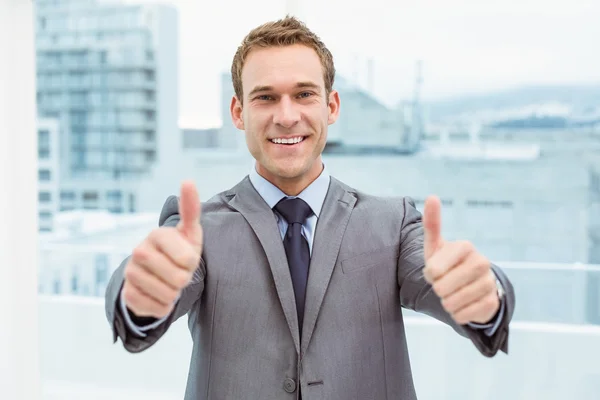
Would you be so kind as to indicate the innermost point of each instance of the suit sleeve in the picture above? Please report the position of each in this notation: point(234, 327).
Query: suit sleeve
point(132, 341)
point(418, 295)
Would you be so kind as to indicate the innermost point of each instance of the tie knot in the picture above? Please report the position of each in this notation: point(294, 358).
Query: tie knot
point(294, 210)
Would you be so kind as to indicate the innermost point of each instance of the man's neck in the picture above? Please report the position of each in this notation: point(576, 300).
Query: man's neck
point(294, 186)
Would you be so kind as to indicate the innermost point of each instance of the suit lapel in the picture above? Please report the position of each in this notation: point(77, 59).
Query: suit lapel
point(261, 219)
point(330, 229)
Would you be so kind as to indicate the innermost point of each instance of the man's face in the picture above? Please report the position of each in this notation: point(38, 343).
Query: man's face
point(285, 112)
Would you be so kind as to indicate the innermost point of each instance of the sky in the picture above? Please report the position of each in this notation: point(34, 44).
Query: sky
point(466, 46)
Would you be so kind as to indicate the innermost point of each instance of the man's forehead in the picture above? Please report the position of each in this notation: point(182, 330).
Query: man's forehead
point(282, 71)
point(282, 64)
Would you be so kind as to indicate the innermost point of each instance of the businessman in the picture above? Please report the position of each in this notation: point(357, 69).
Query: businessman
point(292, 281)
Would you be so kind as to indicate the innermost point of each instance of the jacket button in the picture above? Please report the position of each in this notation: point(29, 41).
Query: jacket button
point(289, 385)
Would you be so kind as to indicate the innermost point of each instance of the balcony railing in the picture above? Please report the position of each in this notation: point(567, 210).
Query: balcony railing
point(560, 293)
point(545, 361)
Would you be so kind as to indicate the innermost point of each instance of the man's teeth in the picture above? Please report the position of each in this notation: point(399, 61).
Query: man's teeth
point(288, 141)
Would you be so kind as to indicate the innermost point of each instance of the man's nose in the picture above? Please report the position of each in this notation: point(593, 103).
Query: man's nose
point(287, 114)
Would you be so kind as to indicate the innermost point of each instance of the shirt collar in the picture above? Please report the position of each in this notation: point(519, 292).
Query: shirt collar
point(313, 195)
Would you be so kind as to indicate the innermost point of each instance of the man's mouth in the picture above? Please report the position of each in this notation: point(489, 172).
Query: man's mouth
point(288, 141)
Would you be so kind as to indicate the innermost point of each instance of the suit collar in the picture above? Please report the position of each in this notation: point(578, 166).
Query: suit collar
point(334, 216)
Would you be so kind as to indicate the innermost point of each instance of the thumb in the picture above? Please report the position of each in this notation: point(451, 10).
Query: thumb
point(432, 226)
point(189, 214)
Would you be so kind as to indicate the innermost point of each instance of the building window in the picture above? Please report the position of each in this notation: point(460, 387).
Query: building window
point(45, 215)
point(114, 195)
point(131, 203)
point(67, 195)
point(56, 285)
point(44, 175)
point(149, 155)
point(75, 280)
point(43, 138)
point(90, 196)
point(44, 197)
point(489, 203)
point(43, 154)
point(101, 273)
point(149, 75)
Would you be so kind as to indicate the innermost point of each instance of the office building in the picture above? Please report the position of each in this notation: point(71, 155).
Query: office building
point(108, 72)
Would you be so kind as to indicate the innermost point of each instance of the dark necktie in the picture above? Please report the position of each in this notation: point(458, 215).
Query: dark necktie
point(295, 211)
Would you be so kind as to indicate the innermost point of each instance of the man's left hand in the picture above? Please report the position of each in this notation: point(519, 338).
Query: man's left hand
point(460, 275)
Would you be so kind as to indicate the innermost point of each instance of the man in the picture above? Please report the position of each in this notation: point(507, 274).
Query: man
point(292, 281)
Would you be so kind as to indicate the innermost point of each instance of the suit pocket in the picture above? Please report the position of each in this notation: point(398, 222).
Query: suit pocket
point(385, 256)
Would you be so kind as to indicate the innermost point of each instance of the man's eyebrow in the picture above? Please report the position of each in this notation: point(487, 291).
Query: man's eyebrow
point(258, 89)
point(266, 88)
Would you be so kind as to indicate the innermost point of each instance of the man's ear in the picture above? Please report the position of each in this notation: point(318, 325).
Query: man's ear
point(236, 113)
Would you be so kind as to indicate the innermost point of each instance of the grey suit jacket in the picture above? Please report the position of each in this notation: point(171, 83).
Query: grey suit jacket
point(366, 265)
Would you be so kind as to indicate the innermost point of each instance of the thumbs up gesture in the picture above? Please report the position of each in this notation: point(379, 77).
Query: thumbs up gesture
point(164, 263)
point(460, 275)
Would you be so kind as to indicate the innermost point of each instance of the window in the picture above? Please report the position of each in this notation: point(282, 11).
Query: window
point(90, 196)
point(149, 156)
point(44, 197)
point(101, 269)
point(44, 175)
point(489, 203)
point(149, 136)
point(149, 75)
point(44, 215)
point(43, 138)
point(66, 195)
point(114, 195)
point(131, 203)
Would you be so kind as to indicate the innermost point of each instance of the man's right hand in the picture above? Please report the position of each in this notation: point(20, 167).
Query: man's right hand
point(164, 263)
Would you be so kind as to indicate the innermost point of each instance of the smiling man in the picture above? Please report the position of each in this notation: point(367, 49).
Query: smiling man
point(294, 282)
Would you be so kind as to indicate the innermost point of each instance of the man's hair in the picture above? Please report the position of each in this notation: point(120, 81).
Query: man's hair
point(284, 32)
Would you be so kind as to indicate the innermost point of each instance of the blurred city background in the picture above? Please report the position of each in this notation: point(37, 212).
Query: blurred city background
point(492, 106)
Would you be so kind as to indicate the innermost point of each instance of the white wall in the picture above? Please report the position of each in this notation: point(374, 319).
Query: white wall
point(19, 374)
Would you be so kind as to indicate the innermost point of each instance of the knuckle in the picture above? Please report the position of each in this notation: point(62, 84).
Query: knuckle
point(447, 303)
point(438, 288)
point(180, 279)
point(141, 253)
point(162, 311)
point(131, 273)
point(481, 267)
point(155, 234)
point(466, 246)
point(490, 283)
point(168, 294)
point(490, 302)
point(184, 259)
point(432, 271)
point(130, 295)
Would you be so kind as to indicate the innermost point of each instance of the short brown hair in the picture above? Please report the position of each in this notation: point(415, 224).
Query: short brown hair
point(284, 32)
